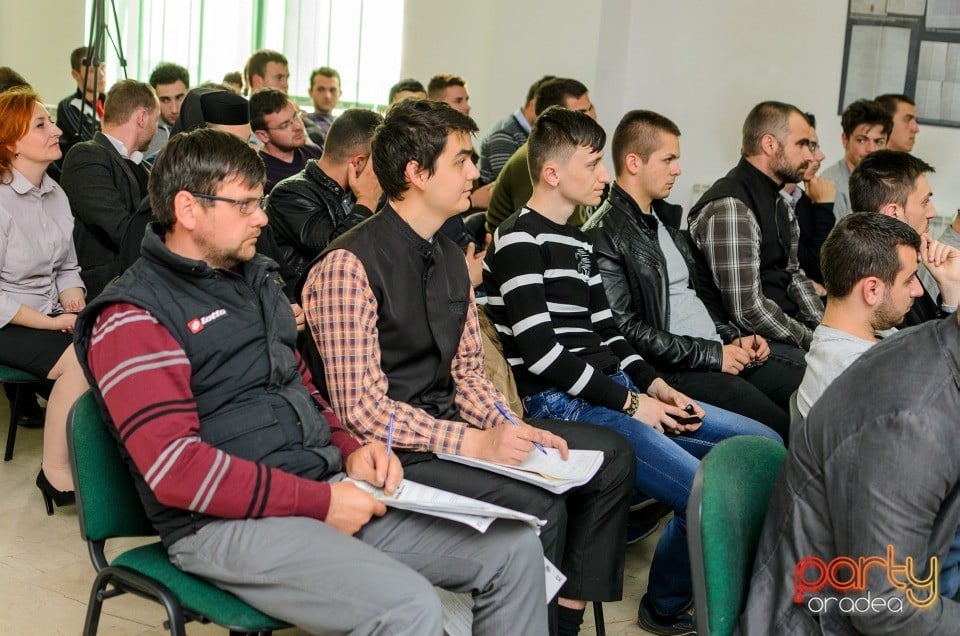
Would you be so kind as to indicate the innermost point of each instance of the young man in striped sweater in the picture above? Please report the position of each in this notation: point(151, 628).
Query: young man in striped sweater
point(547, 300)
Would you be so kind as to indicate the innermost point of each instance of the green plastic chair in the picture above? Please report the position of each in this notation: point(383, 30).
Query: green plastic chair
point(725, 512)
point(108, 507)
point(10, 375)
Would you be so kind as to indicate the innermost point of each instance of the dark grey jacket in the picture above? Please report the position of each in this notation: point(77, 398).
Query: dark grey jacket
point(105, 193)
point(876, 464)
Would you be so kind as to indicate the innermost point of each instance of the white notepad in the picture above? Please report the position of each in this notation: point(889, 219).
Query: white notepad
point(548, 471)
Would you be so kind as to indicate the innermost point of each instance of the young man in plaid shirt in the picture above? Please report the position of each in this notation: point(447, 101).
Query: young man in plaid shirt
point(391, 310)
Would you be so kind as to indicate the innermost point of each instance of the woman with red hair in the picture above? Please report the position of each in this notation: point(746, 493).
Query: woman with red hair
point(40, 286)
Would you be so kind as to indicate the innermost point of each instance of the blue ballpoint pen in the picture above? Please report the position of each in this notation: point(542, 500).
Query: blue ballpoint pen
point(390, 435)
point(506, 413)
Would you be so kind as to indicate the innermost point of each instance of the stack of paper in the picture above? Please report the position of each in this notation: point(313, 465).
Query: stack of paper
point(440, 503)
point(548, 471)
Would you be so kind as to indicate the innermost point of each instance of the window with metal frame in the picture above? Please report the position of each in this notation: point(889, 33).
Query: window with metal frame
point(361, 39)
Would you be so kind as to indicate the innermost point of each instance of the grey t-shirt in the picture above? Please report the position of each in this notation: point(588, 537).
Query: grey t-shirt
point(951, 237)
point(831, 352)
point(688, 315)
point(840, 174)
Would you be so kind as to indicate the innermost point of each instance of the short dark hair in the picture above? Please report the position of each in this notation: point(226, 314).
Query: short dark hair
point(885, 176)
point(350, 134)
point(865, 111)
point(557, 133)
point(9, 78)
point(440, 83)
point(125, 97)
point(766, 118)
point(77, 56)
point(811, 119)
point(233, 77)
point(413, 130)
point(257, 64)
point(863, 244)
point(409, 85)
point(555, 92)
point(532, 91)
point(220, 86)
point(169, 73)
point(639, 133)
point(890, 101)
point(266, 101)
point(200, 161)
point(326, 71)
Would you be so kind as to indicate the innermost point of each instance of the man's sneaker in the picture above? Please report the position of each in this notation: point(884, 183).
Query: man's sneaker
point(679, 624)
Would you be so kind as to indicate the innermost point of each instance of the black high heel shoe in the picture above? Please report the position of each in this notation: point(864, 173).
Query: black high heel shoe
point(53, 496)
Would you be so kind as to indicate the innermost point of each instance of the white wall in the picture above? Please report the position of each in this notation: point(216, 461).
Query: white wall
point(36, 37)
point(703, 64)
point(499, 46)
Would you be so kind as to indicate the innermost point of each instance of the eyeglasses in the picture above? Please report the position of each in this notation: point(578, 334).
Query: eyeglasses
point(296, 119)
point(814, 147)
point(243, 205)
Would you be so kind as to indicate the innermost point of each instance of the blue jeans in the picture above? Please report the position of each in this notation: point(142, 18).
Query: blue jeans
point(950, 570)
point(666, 465)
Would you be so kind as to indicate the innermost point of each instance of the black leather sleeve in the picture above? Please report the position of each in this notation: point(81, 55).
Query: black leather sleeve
point(305, 221)
point(659, 347)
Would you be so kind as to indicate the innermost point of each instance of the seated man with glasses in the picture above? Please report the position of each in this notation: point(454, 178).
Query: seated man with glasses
point(237, 459)
point(276, 121)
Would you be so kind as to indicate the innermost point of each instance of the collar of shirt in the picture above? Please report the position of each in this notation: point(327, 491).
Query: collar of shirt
point(792, 197)
point(21, 185)
point(136, 156)
point(518, 115)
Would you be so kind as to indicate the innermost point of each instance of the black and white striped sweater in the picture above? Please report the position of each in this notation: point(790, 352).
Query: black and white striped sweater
point(546, 298)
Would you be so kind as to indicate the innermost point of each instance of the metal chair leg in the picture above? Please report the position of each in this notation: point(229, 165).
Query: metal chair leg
point(598, 618)
point(12, 429)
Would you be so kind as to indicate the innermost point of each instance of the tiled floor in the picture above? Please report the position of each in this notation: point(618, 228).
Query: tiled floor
point(45, 572)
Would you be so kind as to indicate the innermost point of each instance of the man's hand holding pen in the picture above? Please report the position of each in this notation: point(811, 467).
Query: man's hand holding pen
point(509, 442)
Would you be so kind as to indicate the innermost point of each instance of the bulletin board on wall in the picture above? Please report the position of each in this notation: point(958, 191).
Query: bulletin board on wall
point(904, 46)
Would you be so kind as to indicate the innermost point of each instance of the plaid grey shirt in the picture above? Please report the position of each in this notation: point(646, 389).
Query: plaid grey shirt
point(727, 233)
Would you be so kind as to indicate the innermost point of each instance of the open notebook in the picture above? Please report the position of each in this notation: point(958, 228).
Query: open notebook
point(546, 470)
point(439, 503)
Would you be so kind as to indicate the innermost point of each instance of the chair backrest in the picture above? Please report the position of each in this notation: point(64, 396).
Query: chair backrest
point(107, 501)
point(725, 513)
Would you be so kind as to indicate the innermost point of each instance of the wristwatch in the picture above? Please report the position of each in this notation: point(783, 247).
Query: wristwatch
point(634, 404)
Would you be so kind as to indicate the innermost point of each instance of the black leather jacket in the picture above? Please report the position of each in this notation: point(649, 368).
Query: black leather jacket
point(633, 269)
point(307, 211)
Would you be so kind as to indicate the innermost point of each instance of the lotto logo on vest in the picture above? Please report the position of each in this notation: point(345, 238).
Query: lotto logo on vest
point(845, 575)
point(197, 324)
